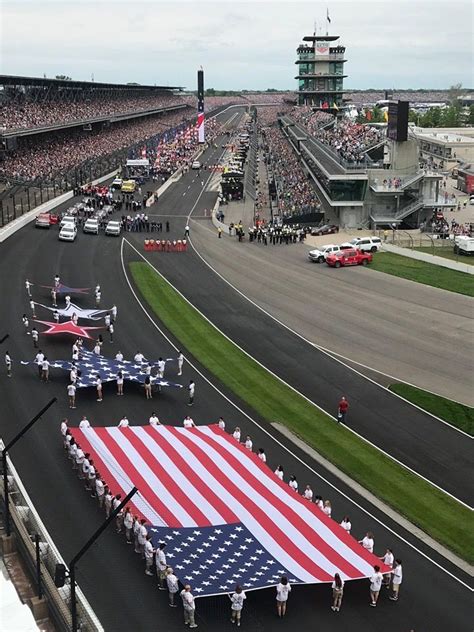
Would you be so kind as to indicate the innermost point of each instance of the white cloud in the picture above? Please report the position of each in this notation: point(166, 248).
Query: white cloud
point(239, 44)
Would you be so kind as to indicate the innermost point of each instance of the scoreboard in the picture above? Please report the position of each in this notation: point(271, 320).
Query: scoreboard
point(398, 121)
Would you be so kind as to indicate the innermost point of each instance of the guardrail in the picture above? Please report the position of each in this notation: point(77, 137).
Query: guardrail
point(26, 524)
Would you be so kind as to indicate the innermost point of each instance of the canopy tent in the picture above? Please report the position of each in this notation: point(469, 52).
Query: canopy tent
point(226, 517)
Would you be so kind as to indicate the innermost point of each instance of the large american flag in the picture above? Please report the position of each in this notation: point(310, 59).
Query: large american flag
point(225, 516)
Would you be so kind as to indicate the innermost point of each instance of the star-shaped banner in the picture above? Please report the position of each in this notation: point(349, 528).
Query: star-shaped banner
point(65, 289)
point(86, 314)
point(69, 327)
point(90, 365)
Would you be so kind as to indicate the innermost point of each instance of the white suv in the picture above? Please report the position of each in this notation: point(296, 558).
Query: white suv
point(366, 244)
point(319, 254)
point(91, 226)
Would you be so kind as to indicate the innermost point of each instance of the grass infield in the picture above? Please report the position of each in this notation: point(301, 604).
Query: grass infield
point(447, 252)
point(433, 511)
point(421, 272)
point(456, 414)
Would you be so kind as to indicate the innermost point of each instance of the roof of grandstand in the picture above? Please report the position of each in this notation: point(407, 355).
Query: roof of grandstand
point(16, 80)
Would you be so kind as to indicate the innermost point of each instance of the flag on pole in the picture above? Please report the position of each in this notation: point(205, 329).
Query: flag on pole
point(225, 516)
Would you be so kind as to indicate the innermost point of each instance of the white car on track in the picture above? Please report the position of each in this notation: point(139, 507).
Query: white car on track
point(318, 255)
point(91, 226)
point(68, 232)
point(365, 244)
point(113, 228)
point(196, 165)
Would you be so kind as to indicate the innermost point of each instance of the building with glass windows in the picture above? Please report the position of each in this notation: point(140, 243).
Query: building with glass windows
point(321, 72)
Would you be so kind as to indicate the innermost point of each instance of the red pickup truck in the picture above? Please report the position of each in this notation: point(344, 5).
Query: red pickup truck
point(352, 257)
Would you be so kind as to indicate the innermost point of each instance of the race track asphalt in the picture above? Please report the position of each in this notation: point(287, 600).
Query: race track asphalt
point(110, 574)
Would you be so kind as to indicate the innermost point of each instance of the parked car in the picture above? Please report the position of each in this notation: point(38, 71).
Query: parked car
point(91, 226)
point(68, 232)
point(67, 219)
point(43, 220)
point(318, 255)
point(196, 164)
point(366, 244)
point(464, 245)
point(350, 257)
point(327, 229)
point(128, 186)
point(113, 228)
point(117, 183)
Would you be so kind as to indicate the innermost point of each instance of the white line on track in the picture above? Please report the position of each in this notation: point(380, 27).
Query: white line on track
point(261, 428)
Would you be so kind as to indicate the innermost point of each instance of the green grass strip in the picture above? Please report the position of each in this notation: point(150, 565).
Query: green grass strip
point(456, 414)
point(448, 253)
point(432, 510)
point(422, 272)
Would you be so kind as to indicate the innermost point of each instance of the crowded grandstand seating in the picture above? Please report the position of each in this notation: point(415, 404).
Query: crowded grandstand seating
point(348, 139)
point(22, 114)
point(295, 193)
point(44, 157)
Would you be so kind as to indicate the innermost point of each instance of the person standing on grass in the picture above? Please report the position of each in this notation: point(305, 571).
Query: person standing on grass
point(282, 591)
point(375, 585)
point(397, 578)
point(337, 591)
point(237, 599)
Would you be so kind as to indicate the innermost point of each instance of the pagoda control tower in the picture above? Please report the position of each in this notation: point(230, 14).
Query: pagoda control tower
point(321, 72)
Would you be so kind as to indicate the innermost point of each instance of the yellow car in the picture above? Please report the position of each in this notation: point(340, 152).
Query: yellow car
point(128, 186)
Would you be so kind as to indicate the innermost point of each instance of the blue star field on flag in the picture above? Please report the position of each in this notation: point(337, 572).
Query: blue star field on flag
point(216, 558)
point(90, 365)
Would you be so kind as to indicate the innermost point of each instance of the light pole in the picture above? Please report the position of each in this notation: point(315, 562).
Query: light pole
point(85, 548)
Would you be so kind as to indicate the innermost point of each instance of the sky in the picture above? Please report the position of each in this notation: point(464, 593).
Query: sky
point(240, 45)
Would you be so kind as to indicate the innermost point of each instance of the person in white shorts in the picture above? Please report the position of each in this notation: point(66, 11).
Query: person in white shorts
point(283, 590)
point(337, 591)
point(189, 606)
point(387, 559)
point(237, 599)
point(375, 585)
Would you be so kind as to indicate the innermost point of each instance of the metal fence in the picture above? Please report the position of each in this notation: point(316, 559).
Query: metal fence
point(26, 525)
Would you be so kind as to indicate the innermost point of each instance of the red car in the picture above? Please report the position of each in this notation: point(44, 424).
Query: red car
point(348, 258)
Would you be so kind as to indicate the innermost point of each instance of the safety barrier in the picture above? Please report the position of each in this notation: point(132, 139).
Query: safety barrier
point(152, 245)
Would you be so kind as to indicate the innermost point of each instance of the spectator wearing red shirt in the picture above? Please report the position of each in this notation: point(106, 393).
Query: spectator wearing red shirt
point(342, 410)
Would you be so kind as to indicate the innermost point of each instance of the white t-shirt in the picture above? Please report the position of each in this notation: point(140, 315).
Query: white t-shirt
point(188, 600)
point(161, 366)
point(236, 435)
point(148, 550)
point(368, 543)
point(45, 365)
point(327, 510)
point(142, 533)
point(191, 394)
point(248, 445)
point(188, 423)
point(154, 421)
point(339, 590)
point(71, 390)
point(238, 600)
point(397, 574)
point(123, 423)
point(346, 524)
point(161, 559)
point(84, 423)
point(63, 428)
point(139, 357)
point(119, 380)
point(293, 485)
point(172, 582)
point(39, 357)
point(99, 487)
point(283, 591)
point(279, 473)
point(376, 582)
point(308, 494)
point(221, 424)
point(128, 520)
point(388, 559)
point(119, 357)
point(262, 456)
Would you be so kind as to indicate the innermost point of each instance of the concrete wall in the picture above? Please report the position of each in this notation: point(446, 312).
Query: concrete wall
point(25, 219)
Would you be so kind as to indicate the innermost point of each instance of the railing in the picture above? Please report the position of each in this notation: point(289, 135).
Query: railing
point(26, 524)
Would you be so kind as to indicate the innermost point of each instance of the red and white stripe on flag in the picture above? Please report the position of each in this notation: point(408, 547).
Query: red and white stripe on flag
point(200, 126)
point(200, 477)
